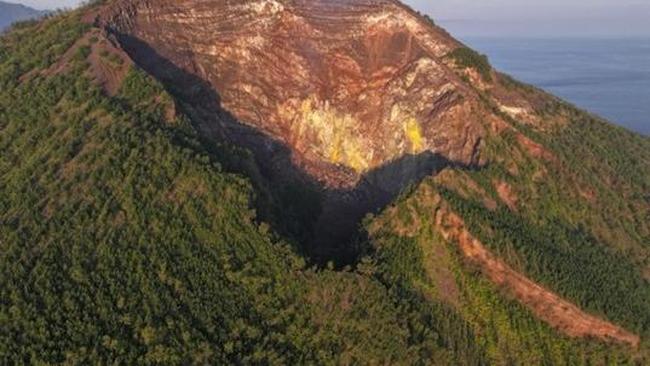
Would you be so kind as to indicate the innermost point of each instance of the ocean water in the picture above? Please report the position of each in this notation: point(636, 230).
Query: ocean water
point(608, 77)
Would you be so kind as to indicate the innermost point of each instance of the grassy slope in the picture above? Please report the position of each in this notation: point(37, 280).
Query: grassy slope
point(581, 223)
point(412, 254)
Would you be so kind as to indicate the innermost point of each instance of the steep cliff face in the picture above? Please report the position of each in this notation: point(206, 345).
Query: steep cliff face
point(347, 86)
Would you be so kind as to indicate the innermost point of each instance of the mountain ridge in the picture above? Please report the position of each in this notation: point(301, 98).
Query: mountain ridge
point(11, 13)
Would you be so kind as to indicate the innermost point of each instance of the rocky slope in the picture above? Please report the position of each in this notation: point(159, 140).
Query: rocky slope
point(348, 86)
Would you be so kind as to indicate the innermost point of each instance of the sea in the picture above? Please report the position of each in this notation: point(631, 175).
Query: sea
point(608, 77)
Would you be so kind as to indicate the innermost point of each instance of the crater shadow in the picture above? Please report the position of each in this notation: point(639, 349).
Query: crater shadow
point(323, 222)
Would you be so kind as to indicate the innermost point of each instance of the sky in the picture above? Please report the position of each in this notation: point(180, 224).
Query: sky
point(514, 18)
point(540, 18)
point(47, 4)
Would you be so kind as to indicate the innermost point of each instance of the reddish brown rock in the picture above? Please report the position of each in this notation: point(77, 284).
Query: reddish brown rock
point(353, 97)
point(347, 86)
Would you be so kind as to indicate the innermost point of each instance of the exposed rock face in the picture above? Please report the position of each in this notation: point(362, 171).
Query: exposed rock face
point(347, 85)
point(354, 97)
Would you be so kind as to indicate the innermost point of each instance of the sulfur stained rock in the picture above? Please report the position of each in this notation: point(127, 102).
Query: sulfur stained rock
point(348, 86)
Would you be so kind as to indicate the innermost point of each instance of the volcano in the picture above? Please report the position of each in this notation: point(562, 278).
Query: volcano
point(305, 182)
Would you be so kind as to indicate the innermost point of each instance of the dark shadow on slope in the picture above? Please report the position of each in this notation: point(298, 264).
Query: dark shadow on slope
point(344, 209)
point(324, 222)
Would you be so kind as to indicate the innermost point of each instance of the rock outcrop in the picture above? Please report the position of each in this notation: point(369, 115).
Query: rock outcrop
point(347, 86)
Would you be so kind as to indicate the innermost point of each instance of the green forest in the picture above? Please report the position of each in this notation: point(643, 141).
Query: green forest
point(125, 238)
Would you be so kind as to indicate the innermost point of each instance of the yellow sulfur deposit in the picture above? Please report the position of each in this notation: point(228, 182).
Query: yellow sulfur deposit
point(411, 126)
point(334, 135)
point(338, 138)
point(414, 135)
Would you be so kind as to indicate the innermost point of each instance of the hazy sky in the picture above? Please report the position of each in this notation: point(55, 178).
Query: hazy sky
point(540, 18)
point(47, 4)
point(524, 18)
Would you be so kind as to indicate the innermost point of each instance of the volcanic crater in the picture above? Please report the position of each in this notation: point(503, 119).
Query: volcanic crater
point(352, 99)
